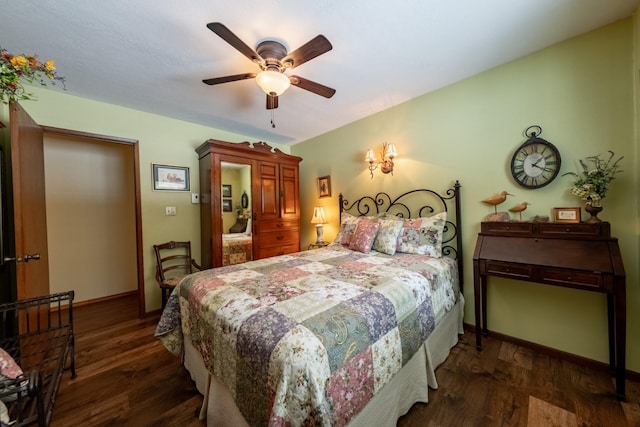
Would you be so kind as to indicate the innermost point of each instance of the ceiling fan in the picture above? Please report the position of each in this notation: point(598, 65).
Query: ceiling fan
point(273, 59)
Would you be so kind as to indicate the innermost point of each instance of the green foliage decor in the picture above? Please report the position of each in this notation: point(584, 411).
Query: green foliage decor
point(592, 184)
point(14, 69)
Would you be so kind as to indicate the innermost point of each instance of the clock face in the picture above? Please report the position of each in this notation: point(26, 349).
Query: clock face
point(535, 163)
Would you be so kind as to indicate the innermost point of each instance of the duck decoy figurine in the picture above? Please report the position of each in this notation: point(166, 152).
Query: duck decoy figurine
point(519, 208)
point(496, 200)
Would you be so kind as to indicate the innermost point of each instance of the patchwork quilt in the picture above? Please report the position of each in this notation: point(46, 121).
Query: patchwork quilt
point(236, 248)
point(309, 338)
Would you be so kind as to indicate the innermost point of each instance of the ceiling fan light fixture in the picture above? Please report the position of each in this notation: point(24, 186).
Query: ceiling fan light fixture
point(273, 82)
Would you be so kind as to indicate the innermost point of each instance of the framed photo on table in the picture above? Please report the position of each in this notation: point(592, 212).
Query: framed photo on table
point(566, 215)
point(172, 178)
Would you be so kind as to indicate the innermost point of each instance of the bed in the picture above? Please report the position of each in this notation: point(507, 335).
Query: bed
point(342, 335)
point(236, 248)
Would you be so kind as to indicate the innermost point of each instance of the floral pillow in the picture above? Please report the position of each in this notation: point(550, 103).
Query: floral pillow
point(422, 236)
point(8, 366)
point(386, 240)
point(364, 235)
point(347, 227)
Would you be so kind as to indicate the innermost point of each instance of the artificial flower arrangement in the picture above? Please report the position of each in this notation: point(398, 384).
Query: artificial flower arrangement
point(15, 68)
point(592, 183)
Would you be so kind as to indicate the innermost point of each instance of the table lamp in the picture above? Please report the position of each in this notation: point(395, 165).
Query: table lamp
point(318, 220)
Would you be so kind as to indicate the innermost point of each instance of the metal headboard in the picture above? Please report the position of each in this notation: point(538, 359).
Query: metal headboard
point(416, 204)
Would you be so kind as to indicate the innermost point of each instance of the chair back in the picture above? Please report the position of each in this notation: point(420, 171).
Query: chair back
point(173, 259)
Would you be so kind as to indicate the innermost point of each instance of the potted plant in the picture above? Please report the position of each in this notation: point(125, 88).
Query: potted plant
point(592, 183)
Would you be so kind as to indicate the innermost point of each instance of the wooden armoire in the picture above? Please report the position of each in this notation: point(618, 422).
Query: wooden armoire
point(274, 200)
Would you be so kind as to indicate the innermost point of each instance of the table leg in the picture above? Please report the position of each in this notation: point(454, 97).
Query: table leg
point(611, 323)
point(620, 307)
point(477, 285)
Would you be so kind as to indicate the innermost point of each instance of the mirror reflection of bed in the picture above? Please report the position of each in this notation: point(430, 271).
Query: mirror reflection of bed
point(237, 240)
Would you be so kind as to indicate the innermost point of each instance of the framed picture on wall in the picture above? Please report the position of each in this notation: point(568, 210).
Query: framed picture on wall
point(226, 205)
point(226, 190)
point(324, 186)
point(173, 178)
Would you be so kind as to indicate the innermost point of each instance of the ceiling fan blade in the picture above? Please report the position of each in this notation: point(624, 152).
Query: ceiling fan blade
point(234, 41)
point(313, 48)
point(312, 86)
point(272, 102)
point(227, 79)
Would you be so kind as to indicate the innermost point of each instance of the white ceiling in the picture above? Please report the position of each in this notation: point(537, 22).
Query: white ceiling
point(152, 55)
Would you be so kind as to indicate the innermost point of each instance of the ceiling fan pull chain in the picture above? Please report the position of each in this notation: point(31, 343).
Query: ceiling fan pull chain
point(273, 125)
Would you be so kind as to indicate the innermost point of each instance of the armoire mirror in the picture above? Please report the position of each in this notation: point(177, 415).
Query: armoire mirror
point(237, 178)
point(237, 239)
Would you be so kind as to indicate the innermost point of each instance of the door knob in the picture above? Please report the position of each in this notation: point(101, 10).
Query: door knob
point(16, 259)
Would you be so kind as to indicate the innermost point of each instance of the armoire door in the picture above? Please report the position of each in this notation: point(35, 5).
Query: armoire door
point(28, 206)
point(269, 191)
point(289, 190)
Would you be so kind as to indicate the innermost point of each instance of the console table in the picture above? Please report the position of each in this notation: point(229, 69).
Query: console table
point(581, 256)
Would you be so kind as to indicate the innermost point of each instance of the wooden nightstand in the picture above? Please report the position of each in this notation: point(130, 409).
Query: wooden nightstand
point(317, 245)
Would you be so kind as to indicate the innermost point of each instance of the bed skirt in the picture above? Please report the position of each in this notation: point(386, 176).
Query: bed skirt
point(407, 387)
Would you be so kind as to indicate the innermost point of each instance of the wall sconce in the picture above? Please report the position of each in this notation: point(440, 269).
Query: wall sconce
point(387, 155)
point(318, 219)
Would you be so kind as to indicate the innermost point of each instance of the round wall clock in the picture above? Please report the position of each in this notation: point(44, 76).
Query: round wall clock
point(536, 162)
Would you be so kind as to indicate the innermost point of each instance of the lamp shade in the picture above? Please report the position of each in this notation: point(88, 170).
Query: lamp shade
point(273, 82)
point(370, 156)
point(391, 151)
point(318, 215)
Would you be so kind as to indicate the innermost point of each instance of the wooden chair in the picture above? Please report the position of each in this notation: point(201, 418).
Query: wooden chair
point(173, 262)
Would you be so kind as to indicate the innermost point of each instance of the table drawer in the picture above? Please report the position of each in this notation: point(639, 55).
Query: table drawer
point(496, 268)
point(574, 230)
point(507, 228)
point(576, 279)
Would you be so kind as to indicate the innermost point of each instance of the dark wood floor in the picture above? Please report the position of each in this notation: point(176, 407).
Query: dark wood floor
point(126, 378)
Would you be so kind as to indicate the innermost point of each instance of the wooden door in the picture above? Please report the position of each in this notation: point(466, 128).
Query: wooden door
point(30, 219)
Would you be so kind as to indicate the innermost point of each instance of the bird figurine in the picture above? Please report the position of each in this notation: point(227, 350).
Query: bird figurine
point(496, 200)
point(519, 208)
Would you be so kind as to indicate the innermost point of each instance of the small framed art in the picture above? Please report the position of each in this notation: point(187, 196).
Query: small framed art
point(324, 186)
point(226, 190)
point(173, 178)
point(226, 205)
point(566, 215)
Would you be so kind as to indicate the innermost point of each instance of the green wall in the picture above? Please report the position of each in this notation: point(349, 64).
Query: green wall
point(581, 93)
point(161, 140)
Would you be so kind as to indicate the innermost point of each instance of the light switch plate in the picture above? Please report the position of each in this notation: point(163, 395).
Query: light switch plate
point(195, 198)
point(170, 211)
